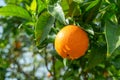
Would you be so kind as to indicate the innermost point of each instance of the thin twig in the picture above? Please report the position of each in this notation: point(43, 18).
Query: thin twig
point(20, 69)
point(54, 69)
point(46, 62)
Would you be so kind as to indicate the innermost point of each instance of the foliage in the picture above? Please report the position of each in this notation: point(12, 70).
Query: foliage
point(29, 29)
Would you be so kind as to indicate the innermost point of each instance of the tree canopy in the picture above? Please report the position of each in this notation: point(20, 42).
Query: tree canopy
point(27, 33)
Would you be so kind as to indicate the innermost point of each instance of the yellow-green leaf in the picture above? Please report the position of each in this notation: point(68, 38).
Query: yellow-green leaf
point(33, 5)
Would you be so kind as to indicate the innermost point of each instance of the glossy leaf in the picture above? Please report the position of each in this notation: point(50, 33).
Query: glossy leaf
point(112, 34)
point(13, 10)
point(57, 12)
point(43, 27)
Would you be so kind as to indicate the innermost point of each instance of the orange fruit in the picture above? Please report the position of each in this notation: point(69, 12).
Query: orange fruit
point(71, 42)
point(105, 74)
point(17, 44)
point(49, 75)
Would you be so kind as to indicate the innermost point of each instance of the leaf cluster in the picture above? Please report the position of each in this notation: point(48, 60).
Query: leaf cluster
point(35, 24)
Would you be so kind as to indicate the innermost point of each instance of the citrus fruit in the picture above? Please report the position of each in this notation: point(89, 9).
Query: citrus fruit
point(49, 75)
point(17, 44)
point(71, 42)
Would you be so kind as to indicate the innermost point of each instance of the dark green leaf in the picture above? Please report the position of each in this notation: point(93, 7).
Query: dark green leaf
point(116, 53)
point(69, 75)
point(116, 62)
point(98, 77)
point(2, 73)
point(57, 12)
point(112, 34)
point(118, 3)
point(96, 56)
point(91, 11)
point(13, 10)
point(93, 3)
point(43, 27)
point(74, 10)
point(110, 13)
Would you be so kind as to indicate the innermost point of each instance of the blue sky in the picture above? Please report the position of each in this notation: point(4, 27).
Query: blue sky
point(2, 3)
point(1, 29)
point(40, 69)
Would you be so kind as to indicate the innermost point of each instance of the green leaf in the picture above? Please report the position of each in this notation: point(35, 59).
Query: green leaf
point(13, 1)
point(41, 6)
point(116, 58)
point(65, 5)
point(112, 34)
point(10, 1)
point(110, 13)
point(96, 56)
point(33, 5)
point(74, 10)
point(56, 11)
point(43, 27)
point(116, 62)
point(91, 11)
point(3, 63)
point(115, 53)
point(118, 3)
point(13, 10)
point(93, 3)
point(2, 73)
point(65, 62)
point(58, 65)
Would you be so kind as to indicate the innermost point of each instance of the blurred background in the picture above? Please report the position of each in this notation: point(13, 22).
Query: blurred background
point(28, 29)
point(19, 57)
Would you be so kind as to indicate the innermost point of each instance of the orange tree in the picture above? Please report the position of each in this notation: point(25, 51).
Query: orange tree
point(27, 33)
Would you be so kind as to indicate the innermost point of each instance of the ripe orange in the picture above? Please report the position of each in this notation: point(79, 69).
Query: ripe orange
point(106, 74)
point(71, 42)
point(49, 75)
point(17, 44)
